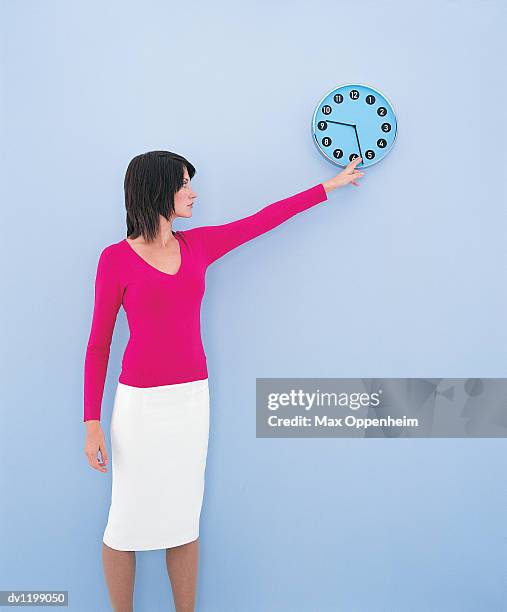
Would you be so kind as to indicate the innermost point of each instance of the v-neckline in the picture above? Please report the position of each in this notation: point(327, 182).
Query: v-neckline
point(131, 248)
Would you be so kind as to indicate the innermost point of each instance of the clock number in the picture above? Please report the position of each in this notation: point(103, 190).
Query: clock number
point(338, 98)
point(353, 156)
point(326, 109)
point(385, 127)
point(354, 94)
point(338, 153)
point(369, 154)
point(381, 143)
point(370, 99)
point(322, 125)
point(381, 111)
point(326, 141)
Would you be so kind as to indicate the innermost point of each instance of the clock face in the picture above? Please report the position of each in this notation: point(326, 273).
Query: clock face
point(354, 121)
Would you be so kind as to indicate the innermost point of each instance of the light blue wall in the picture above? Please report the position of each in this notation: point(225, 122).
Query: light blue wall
point(402, 276)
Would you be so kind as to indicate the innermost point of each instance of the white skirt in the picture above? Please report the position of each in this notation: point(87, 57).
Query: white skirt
point(159, 445)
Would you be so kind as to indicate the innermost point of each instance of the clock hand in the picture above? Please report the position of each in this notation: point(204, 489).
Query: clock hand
point(349, 124)
point(358, 144)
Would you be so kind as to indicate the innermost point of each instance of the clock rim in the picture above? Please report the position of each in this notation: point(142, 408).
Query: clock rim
point(314, 137)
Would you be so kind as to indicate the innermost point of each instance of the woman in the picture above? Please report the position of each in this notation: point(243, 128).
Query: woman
point(160, 419)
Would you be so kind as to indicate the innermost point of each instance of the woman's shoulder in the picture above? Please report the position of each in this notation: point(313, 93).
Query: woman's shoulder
point(114, 247)
point(111, 253)
point(189, 234)
point(192, 233)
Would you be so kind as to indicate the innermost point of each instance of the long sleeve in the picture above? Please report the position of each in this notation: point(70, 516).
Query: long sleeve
point(108, 298)
point(217, 240)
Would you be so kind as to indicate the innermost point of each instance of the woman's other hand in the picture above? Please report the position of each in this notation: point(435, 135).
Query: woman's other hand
point(348, 175)
point(95, 442)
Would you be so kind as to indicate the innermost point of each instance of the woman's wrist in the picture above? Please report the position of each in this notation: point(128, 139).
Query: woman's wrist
point(328, 186)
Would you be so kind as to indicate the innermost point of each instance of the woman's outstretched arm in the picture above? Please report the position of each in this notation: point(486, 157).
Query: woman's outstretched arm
point(217, 240)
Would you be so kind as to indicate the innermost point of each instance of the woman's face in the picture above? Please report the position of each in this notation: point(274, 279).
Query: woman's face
point(183, 199)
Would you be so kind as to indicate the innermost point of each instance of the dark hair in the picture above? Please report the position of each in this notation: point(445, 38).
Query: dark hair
point(151, 180)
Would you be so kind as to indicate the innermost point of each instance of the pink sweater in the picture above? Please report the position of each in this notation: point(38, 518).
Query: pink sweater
point(163, 310)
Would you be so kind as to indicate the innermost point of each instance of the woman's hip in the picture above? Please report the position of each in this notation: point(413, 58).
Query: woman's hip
point(170, 415)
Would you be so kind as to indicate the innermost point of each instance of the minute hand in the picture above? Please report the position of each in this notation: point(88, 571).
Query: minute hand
point(358, 144)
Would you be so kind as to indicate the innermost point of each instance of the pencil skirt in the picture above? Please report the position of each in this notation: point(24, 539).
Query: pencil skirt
point(159, 445)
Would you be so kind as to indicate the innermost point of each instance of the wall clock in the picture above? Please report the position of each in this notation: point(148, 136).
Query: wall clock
point(352, 121)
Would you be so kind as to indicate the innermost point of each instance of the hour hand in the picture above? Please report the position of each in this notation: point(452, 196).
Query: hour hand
point(340, 123)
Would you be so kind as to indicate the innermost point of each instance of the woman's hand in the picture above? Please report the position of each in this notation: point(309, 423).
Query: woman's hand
point(95, 442)
point(349, 175)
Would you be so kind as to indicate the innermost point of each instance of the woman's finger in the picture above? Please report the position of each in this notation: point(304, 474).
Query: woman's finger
point(94, 462)
point(103, 452)
point(98, 465)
